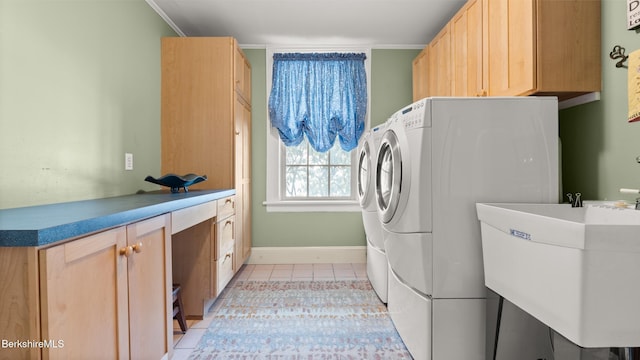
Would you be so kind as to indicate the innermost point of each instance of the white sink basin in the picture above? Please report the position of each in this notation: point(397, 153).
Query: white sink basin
point(575, 269)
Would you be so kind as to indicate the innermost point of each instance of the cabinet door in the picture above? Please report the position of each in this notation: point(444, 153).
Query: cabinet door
point(512, 51)
point(468, 62)
point(242, 75)
point(246, 186)
point(196, 109)
point(83, 291)
point(420, 75)
point(440, 64)
point(243, 181)
point(149, 275)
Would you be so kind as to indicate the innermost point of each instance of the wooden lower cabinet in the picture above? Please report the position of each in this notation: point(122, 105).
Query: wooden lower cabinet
point(150, 287)
point(226, 231)
point(203, 252)
point(84, 297)
point(108, 295)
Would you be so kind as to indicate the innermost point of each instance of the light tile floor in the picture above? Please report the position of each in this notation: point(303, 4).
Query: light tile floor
point(183, 344)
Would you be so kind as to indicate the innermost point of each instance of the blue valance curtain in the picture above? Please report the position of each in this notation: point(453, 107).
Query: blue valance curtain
point(320, 95)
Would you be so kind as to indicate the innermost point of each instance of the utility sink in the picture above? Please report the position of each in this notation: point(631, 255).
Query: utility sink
point(575, 269)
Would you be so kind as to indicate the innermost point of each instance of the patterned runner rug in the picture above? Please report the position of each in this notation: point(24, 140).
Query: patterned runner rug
point(300, 320)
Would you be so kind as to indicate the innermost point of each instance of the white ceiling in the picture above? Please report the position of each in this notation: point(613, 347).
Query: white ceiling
point(376, 23)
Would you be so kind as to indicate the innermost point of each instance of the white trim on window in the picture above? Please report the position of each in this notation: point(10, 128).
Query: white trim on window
point(275, 202)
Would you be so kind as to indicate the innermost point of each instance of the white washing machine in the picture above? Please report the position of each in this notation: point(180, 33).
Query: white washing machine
point(376, 256)
point(437, 158)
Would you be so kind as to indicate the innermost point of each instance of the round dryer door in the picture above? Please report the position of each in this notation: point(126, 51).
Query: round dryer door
point(364, 174)
point(388, 176)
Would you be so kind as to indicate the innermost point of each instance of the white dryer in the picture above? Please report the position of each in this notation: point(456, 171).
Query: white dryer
point(376, 256)
point(437, 158)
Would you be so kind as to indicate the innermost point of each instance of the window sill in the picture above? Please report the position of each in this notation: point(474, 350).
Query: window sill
point(313, 206)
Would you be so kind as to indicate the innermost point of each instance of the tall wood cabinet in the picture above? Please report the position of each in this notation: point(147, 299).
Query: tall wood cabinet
point(206, 120)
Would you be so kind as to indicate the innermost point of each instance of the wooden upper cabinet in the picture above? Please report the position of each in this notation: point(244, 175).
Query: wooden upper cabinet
point(544, 47)
point(515, 48)
point(511, 47)
point(242, 75)
point(440, 63)
point(469, 63)
point(420, 75)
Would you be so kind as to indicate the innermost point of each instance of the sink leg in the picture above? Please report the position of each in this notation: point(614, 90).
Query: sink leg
point(495, 345)
point(514, 334)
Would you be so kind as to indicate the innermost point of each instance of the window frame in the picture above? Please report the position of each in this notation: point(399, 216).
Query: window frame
point(275, 199)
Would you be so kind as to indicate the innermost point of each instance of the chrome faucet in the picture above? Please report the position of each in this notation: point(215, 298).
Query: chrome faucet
point(632, 191)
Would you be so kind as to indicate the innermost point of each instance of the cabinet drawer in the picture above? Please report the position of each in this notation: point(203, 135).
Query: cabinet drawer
point(226, 207)
point(226, 235)
point(224, 266)
point(187, 217)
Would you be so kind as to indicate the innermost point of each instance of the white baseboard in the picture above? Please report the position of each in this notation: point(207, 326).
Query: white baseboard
point(308, 255)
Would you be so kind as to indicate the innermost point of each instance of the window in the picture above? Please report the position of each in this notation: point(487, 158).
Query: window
point(312, 174)
point(300, 178)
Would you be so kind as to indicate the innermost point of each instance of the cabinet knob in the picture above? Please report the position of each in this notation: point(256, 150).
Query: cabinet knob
point(137, 247)
point(126, 251)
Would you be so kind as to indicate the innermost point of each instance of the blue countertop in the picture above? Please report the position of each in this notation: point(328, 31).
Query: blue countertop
point(46, 224)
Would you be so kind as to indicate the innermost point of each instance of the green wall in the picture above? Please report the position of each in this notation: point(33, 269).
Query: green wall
point(599, 146)
point(79, 87)
point(390, 90)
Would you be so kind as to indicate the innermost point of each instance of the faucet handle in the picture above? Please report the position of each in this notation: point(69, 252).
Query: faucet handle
point(578, 201)
point(629, 191)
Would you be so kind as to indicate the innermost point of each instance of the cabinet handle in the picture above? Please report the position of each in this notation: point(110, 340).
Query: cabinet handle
point(227, 256)
point(227, 201)
point(126, 251)
point(228, 223)
point(137, 247)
